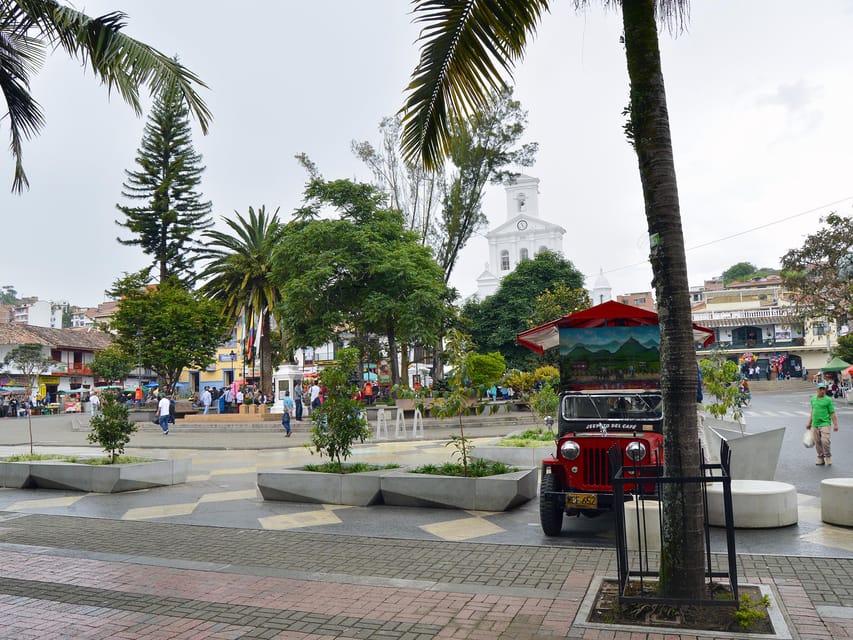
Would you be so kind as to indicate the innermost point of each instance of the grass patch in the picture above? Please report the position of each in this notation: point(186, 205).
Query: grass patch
point(529, 438)
point(37, 457)
point(476, 469)
point(354, 467)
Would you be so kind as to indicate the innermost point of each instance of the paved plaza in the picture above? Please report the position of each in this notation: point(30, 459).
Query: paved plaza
point(210, 559)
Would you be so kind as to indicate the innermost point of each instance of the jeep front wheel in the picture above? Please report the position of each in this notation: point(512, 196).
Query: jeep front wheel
point(550, 507)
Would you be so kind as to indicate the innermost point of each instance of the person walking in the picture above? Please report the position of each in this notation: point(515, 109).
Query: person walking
point(314, 394)
point(95, 404)
point(297, 399)
point(287, 412)
point(163, 408)
point(206, 400)
point(822, 415)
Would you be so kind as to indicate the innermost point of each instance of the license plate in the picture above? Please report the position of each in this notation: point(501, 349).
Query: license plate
point(582, 500)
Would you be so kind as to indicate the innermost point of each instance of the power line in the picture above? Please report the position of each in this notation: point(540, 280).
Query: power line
point(736, 235)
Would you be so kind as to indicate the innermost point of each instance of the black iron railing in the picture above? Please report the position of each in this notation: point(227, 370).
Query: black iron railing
point(638, 566)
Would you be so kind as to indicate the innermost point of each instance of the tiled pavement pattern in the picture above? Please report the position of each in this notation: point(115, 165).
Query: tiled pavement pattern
point(69, 577)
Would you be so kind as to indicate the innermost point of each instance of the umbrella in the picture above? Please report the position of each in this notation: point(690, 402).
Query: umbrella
point(182, 384)
point(150, 385)
point(835, 365)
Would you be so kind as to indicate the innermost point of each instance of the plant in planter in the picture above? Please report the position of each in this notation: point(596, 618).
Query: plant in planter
point(111, 428)
point(468, 369)
point(338, 423)
point(721, 378)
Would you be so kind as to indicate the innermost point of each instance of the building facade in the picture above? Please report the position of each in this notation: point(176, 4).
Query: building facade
point(756, 323)
point(521, 237)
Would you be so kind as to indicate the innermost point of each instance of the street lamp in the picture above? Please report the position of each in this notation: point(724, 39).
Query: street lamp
point(233, 357)
point(139, 355)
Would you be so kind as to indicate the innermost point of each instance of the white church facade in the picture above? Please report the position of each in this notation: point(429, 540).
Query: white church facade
point(521, 237)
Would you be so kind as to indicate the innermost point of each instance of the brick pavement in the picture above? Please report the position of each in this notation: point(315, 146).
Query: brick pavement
point(70, 577)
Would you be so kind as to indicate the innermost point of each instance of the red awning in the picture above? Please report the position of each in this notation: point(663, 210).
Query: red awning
point(611, 314)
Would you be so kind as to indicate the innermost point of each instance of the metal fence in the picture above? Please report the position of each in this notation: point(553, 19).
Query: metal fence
point(639, 563)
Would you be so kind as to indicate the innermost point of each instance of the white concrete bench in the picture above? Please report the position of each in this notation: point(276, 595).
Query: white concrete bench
point(642, 525)
point(756, 504)
point(836, 501)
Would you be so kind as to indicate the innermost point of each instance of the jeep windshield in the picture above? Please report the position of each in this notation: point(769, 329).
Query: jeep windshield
point(615, 406)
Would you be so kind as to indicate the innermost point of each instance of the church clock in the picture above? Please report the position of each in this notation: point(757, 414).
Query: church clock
point(522, 225)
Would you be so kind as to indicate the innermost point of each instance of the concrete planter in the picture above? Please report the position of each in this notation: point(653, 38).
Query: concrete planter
point(754, 455)
point(492, 493)
point(399, 487)
point(297, 485)
point(514, 456)
point(113, 478)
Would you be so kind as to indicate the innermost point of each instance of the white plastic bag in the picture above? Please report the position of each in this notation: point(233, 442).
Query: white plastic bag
point(808, 439)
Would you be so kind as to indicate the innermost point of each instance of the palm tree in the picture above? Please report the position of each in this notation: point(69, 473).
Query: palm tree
point(466, 47)
point(30, 28)
point(238, 273)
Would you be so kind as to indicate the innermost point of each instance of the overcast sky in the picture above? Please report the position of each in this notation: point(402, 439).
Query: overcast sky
point(760, 98)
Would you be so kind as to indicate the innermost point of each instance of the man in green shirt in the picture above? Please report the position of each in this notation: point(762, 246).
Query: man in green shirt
point(823, 413)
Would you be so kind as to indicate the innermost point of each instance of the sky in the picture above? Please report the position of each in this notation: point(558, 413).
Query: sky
point(760, 95)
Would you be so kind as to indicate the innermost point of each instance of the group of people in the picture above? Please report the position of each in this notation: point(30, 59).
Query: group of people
point(305, 396)
point(228, 400)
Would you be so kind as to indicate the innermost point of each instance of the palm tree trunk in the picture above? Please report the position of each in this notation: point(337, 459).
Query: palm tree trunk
point(682, 561)
point(266, 356)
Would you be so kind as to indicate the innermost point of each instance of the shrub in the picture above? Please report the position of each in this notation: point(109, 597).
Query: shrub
point(111, 428)
point(338, 422)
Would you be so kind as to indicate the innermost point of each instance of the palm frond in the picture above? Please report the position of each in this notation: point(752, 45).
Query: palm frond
point(467, 46)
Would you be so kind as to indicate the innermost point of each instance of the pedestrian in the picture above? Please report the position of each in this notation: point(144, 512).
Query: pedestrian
point(138, 396)
point(822, 415)
point(239, 398)
point(297, 399)
point(758, 372)
point(171, 408)
point(163, 414)
point(314, 394)
point(287, 412)
point(95, 404)
point(228, 396)
point(368, 392)
point(206, 400)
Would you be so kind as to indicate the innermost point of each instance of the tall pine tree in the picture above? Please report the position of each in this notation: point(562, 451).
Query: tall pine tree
point(169, 213)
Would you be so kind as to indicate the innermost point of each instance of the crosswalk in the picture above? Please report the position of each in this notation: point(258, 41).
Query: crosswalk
point(775, 414)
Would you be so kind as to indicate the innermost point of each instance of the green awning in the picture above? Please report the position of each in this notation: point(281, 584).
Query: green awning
point(835, 365)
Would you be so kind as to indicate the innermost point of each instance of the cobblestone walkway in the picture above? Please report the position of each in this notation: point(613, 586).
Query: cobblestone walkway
point(68, 577)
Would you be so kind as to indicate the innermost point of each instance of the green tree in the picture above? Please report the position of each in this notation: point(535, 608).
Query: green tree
point(815, 274)
point(113, 364)
point(739, 272)
point(558, 301)
point(31, 361)
point(178, 328)
point(466, 46)
point(31, 28)
point(485, 369)
point(844, 348)
point(496, 321)
point(169, 210)
point(363, 272)
point(238, 274)
point(111, 428)
point(338, 423)
point(721, 377)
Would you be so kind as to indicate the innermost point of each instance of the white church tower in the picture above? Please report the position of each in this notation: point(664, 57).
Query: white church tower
point(521, 237)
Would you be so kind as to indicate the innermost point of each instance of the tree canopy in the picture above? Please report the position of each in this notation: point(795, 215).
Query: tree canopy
point(815, 273)
point(30, 29)
point(171, 327)
point(495, 322)
point(362, 272)
point(168, 211)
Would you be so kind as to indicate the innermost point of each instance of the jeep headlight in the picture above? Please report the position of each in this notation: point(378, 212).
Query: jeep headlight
point(570, 449)
point(636, 451)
